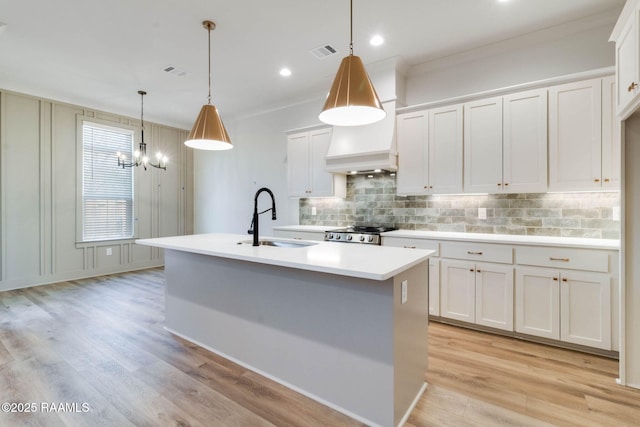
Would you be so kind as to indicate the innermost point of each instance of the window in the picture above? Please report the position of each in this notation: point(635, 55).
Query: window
point(107, 190)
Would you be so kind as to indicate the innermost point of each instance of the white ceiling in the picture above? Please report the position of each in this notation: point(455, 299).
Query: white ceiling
point(100, 53)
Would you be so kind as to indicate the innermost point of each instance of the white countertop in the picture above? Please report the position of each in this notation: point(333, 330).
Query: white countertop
point(514, 239)
point(354, 260)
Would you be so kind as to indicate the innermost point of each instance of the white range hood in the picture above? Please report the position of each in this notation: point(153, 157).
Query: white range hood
point(364, 148)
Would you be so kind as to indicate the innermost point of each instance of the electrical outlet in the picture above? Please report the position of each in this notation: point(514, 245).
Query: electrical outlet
point(313, 210)
point(482, 213)
point(615, 213)
point(109, 251)
point(403, 291)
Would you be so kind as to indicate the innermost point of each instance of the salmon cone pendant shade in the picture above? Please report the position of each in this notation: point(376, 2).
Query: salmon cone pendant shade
point(352, 100)
point(208, 131)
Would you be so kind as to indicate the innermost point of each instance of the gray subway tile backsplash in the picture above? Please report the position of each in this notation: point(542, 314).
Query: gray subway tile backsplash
point(374, 201)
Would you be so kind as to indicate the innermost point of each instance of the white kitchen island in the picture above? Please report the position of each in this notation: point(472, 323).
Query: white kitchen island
point(326, 320)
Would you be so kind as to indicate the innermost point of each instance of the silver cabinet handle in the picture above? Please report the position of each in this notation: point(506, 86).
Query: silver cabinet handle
point(474, 253)
point(409, 247)
point(559, 259)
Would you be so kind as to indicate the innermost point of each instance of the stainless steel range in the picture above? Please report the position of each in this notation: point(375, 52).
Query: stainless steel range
point(369, 235)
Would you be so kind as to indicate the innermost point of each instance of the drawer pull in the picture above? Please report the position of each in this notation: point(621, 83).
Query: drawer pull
point(479, 271)
point(409, 247)
point(474, 253)
point(297, 238)
point(471, 270)
point(555, 278)
point(559, 259)
point(564, 279)
point(632, 87)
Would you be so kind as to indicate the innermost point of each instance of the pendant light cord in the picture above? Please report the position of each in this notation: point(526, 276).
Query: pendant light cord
point(209, 31)
point(351, 28)
point(142, 115)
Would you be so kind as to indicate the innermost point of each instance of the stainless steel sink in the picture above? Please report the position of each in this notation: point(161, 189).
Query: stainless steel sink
point(279, 243)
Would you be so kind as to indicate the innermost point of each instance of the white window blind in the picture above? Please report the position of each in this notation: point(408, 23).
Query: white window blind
point(107, 190)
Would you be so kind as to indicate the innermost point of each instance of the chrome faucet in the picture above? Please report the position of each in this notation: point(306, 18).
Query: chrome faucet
point(254, 222)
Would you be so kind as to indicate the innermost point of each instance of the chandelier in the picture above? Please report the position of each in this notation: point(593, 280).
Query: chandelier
point(140, 156)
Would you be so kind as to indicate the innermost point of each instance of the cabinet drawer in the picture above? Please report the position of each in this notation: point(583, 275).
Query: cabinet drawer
point(478, 252)
point(403, 242)
point(575, 259)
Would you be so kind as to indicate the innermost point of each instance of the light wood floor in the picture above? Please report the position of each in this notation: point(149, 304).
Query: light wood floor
point(101, 342)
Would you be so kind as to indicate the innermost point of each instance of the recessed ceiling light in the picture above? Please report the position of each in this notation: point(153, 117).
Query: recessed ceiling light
point(376, 40)
point(504, 1)
point(285, 72)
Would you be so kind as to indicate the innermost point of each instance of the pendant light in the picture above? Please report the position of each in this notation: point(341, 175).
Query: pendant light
point(208, 132)
point(140, 156)
point(352, 100)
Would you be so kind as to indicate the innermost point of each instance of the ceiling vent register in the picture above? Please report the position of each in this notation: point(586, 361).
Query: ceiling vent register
point(323, 51)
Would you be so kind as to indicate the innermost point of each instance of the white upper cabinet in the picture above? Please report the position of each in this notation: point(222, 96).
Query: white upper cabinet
point(483, 146)
point(430, 151)
point(611, 138)
point(575, 136)
point(413, 153)
point(525, 142)
point(584, 136)
point(627, 39)
point(505, 144)
point(445, 150)
point(307, 177)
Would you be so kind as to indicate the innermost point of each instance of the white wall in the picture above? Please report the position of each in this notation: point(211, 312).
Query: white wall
point(510, 63)
point(225, 182)
point(40, 194)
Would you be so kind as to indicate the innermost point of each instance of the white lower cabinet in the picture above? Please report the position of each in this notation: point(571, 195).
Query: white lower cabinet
point(537, 303)
point(562, 293)
point(565, 305)
point(458, 296)
point(479, 293)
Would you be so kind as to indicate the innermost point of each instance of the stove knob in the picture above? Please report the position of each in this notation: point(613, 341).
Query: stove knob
point(370, 238)
point(349, 237)
point(362, 238)
point(330, 235)
point(337, 237)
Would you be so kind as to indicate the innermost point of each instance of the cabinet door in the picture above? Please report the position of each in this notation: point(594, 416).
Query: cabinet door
point(321, 183)
point(537, 302)
point(586, 309)
point(627, 65)
point(494, 296)
point(483, 146)
point(457, 298)
point(298, 164)
point(525, 142)
point(611, 140)
point(411, 138)
point(575, 137)
point(445, 150)
point(434, 287)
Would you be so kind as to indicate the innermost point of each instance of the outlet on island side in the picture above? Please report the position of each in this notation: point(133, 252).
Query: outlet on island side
point(403, 291)
point(108, 252)
point(313, 211)
point(482, 213)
